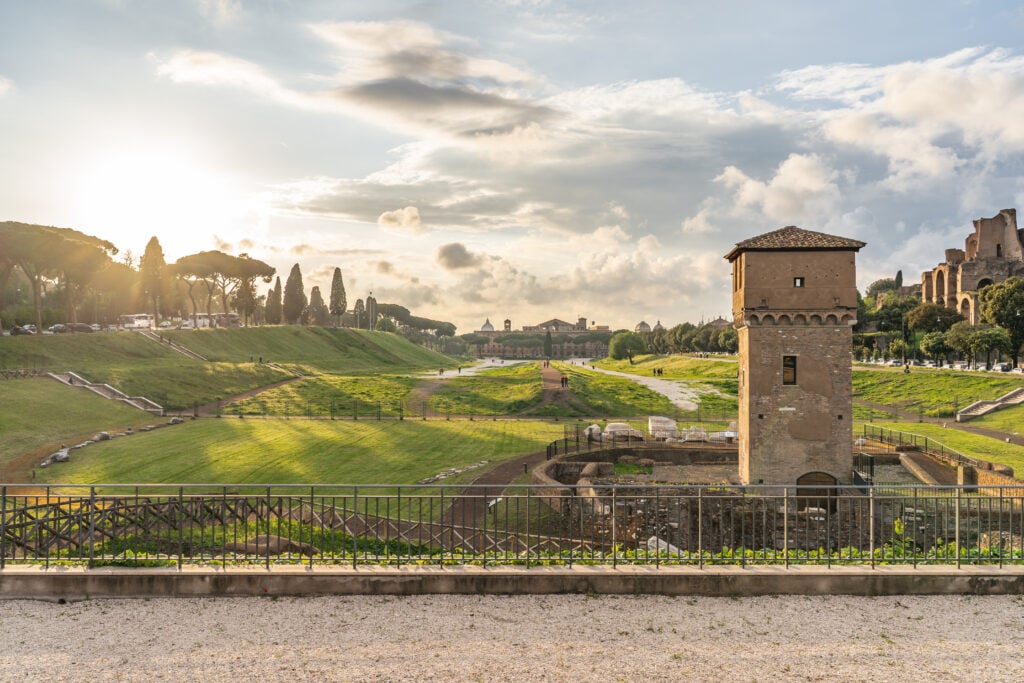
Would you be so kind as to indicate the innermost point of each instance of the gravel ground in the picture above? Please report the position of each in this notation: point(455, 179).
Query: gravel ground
point(535, 638)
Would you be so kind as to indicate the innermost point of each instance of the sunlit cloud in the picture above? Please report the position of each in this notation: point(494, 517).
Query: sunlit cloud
point(220, 12)
point(5, 86)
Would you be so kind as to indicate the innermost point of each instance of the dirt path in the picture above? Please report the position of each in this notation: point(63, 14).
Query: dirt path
point(944, 475)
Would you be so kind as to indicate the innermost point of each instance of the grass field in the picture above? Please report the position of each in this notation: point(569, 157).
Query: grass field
point(608, 395)
point(1009, 420)
point(712, 379)
point(499, 391)
point(279, 451)
point(323, 393)
point(312, 349)
point(56, 414)
point(933, 392)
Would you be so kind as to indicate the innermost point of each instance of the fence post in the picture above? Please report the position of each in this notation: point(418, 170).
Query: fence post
point(615, 550)
point(700, 528)
point(785, 526)
point(92, 524)
point(528, 489)
point(181, 525)
point(959, 490)
point(355, 515)
point(267, 532)
point(871, 524)
point(3, 525)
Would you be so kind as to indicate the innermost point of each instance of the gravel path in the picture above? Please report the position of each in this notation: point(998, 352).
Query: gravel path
point(536, 638)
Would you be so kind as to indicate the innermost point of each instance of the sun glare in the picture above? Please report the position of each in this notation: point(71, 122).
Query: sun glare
point(128, 195)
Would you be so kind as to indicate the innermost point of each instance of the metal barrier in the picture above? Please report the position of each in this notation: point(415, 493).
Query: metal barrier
point(153, 525)
point(906, 441)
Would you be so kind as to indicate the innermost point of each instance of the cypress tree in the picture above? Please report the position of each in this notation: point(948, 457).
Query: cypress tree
point(294, 302)
point(338, 301)
point(274, 304)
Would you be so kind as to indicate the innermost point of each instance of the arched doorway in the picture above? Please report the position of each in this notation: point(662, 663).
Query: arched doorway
point(816, 489)
point(965, 310)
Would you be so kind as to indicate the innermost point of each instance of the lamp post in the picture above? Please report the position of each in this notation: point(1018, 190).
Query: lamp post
point(903, 336)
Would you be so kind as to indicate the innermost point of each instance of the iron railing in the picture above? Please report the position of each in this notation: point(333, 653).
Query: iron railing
point(902, 441)
point(148, 525)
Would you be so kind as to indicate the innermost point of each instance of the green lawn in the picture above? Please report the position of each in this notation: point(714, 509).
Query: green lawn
point(608, 395)
point(320, 394)
point(279, 451)
point(500, 391)
point(1009, 420)
point(676, 367)
point(81, 352)
point(312, 349)
point(58, 414)
point(932, 391)
point(971, 445)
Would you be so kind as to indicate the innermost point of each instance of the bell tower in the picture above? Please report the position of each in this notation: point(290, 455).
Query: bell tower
point(794, 303)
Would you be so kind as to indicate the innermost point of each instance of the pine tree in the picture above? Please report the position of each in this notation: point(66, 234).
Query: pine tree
point(151, 270)
point(274, 304)
point(294, 302)
point(338, 301)
point(319, 314)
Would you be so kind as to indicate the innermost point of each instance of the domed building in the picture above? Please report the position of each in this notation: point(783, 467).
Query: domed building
point(487, 326)
point(642, 326)
point(658, 326)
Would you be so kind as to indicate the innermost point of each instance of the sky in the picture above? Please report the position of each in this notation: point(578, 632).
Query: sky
point(521, 159)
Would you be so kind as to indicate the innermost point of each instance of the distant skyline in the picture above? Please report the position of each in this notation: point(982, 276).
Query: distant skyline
point(526, 159)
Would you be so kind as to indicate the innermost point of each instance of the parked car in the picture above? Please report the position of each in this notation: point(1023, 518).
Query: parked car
point(79, 327)
point(58, 328)
point(19, 330)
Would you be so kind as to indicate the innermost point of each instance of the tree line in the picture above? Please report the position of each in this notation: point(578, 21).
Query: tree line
point(67, 274)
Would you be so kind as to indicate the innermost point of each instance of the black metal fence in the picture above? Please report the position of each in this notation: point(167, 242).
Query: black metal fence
point(600, 524)
point(905, 441)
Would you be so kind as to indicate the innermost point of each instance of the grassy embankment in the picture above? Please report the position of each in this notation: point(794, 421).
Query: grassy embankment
point(930, 392)
point(140, 366)
point(509, 390)
point(713, 380)
point(610, 396)
point(36, 413)
point(238, 451)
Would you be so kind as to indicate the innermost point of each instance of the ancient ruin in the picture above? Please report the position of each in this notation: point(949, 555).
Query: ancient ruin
point(991, 254)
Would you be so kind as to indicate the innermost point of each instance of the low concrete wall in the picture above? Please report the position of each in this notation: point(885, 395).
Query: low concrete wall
point(74, 584)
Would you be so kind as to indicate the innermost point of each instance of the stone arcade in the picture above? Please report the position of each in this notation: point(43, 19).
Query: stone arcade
point(794, 306)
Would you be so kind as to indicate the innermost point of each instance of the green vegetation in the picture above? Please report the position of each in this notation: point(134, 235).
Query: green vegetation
point(57, 414)
point(255, 451)
point(311, 349)
point(614, 396)
point(932, 392)
point(712, 380)
point(1009, 420)
point(330, 395)
point(500, 391)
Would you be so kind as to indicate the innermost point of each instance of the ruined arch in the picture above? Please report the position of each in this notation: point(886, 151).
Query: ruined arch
point(940, 286)
point(816, 489)
point(784, 320)
point(965, 309)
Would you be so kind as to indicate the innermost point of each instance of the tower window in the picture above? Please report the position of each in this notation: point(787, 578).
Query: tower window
point(798, 282)
point(789, 369)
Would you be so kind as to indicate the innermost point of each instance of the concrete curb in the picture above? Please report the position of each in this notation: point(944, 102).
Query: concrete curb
point(62, 583)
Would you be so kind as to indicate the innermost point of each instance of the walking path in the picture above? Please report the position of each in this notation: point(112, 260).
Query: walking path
point(675, 390)
point(548, 638)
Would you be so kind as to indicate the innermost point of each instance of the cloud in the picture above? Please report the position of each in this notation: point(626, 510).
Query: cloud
point(5, 86)
point(455, 256)
point(222, 245)
point(407, 219)
point(220, 12)
point(802, 189)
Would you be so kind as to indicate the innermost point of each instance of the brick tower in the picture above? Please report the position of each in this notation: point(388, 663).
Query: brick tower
point(794, 302)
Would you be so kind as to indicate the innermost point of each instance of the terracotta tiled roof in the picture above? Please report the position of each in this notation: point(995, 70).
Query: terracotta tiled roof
point(794, 238)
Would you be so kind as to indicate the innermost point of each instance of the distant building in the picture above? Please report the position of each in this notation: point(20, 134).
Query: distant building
point(991, 254)
point(658, 326)
point(528, 342)
point(642, 326)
